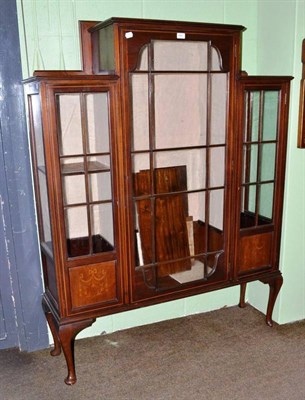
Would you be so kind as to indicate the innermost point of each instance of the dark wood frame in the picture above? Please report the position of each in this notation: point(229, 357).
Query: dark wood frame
point(301, 127)
point(66, 316)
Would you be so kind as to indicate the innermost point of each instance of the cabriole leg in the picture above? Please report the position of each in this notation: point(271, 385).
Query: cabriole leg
point(67, 335)
point(275, 284)
point(54, 329)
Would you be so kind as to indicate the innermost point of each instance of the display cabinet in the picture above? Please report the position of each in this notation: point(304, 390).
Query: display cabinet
point(159, 171)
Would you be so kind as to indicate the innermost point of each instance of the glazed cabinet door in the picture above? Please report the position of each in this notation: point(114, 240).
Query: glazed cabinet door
point(83, 157)
point(178, 157)
point(262, 154)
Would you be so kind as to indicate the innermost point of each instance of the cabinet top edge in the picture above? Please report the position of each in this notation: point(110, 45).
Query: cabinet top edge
point(168, 24)
point(44, 75)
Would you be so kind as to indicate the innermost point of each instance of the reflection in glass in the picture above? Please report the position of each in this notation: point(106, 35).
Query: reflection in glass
point(217, 167)
point(190, 163)
point(255, 115)
point(250, 163)
point(42, 194)
point(37, 125)
point(102, 227)
point(74, 191)
point(170, 55)
point(268, 161)
point(72, 165)
point(180, 56)
point(140, 162)
point(45, 212)
point(70, 133)
point(106, 50)
point(248, 206)
point(140, 119)
point(270, 117)
point(218, 104)
point(100, 186)
point(266, 201)
point(76, 222)
point(216, 208)
point(97, 122)
point(98, 163)
point(180, 123)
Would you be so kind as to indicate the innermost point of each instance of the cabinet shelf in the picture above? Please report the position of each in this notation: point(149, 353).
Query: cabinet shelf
point(79, 168)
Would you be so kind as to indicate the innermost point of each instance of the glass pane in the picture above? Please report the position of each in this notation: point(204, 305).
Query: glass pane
point(252, 126)
point(37, 125)
point(143, 225)
point(77, 231)
point(270, 114)
point(268, 161)
point(70, 132)
point(76, 222)
point(250, 163)
point(98, 163)
point(250, 198)
point(216, 209)
point(140, 162)
point(141, 175)
point(102, 227)
point(45, 212)
point(100, 186)
point(180, 110)
point(180, 170)
point(266, 201)
point(216, 60)
point(106, 51)
point(219, 90)
point(74, 191)
point(43, 205)
point(140, 116)
point(97, 122)
point(217, 166)
point(247, 217)
point(143, 59)
point(180, 55)
point(73, 165)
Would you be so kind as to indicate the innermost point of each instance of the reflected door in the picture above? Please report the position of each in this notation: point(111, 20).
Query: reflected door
point(179, 95)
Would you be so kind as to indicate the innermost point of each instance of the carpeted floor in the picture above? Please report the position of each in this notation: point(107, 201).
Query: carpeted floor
point(225, 354)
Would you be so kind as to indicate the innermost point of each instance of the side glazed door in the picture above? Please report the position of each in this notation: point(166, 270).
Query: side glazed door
point(263, 113)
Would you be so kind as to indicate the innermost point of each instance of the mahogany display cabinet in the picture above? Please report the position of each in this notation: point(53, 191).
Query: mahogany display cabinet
point(159, 171)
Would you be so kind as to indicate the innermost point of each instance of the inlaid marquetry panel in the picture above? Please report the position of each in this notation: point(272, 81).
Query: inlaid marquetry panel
point(93, 284)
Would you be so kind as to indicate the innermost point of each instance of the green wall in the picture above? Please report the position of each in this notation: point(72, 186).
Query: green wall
point(281, 29)
point(271, 45)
